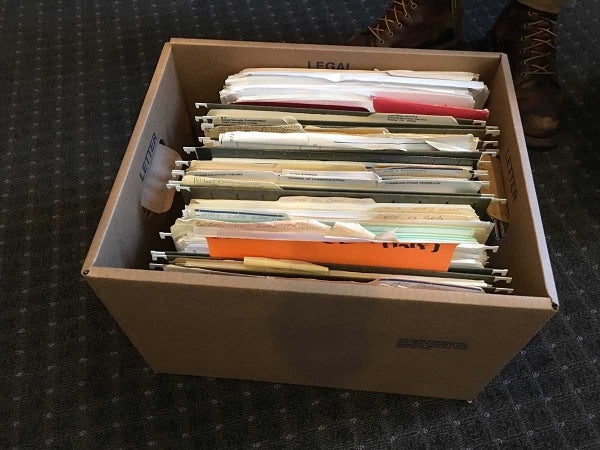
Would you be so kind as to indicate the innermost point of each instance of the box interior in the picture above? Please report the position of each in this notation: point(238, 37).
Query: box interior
point(194, 71)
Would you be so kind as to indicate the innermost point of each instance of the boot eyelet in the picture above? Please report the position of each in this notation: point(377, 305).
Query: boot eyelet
point(407, 16)
point(413, 5)
point(391, 34)
point(380, 42)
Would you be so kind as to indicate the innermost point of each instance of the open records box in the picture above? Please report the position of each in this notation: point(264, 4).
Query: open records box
point(314, 332)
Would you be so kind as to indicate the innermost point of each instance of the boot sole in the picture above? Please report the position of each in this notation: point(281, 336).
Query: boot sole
point(449, 40)
point(455, 42)
point(541, 144)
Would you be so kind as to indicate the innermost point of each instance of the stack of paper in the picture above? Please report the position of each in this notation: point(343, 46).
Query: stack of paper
point(333, 176)
point(452, 228)
point(364, 176)
point(222, 118)
point(375, 91)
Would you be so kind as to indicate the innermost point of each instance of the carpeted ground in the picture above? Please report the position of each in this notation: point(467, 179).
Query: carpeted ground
point(73, 76)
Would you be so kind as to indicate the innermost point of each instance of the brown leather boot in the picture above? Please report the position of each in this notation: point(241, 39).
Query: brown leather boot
point(527, 36)
point(416, 24)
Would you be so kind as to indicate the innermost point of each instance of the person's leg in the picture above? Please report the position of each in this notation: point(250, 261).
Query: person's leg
point(415, 24)
point(526, 32)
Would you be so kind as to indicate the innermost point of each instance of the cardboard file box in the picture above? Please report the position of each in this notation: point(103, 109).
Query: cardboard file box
point(344, 335)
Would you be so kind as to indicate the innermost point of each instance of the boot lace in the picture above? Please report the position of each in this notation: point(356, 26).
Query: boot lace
point(540, 46)
point(398, 11)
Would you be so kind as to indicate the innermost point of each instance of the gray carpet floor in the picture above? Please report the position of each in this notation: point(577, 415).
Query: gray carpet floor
point(72, 79)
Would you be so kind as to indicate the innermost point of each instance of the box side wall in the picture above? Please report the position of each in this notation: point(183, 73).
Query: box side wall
point(523, 250)
point(340, 338)
point(126, 232)
point(203, 65)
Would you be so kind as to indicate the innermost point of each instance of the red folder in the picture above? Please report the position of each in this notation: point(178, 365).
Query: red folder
point(393, 106)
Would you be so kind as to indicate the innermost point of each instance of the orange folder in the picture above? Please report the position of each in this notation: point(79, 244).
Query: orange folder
point(396, 255)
